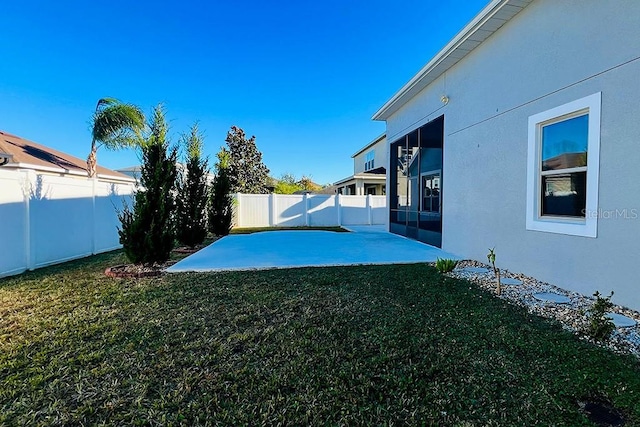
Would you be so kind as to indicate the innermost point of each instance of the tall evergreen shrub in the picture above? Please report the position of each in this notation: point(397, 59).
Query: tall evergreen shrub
point(147, 230)
point(191, 199)
point(221, 206)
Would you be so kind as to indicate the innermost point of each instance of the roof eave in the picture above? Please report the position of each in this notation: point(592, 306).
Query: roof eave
point(489, 20)
point(354, 177)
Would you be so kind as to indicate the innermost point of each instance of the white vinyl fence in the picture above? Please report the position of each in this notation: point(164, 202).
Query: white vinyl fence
point(284, 210)
point(48, 219)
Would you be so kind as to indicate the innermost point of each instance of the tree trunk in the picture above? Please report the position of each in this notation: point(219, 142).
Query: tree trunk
point(92, 160)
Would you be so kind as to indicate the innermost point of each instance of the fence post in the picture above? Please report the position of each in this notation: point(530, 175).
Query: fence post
point(339, 208)
point(235, 211)
point(272, 210)
point(369, 213)
point(305, 199)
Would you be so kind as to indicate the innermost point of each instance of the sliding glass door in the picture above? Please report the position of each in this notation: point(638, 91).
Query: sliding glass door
point(415, 207)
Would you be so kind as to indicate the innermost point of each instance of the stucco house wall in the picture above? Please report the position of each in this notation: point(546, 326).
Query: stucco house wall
point(551, 53)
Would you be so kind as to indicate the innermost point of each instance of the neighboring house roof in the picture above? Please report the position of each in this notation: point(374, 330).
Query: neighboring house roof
point(371, 144)
point(565, 161)
point(30, 155)
point(133, 169)
point(488, 21)
point(377, 174)
point(377, 171)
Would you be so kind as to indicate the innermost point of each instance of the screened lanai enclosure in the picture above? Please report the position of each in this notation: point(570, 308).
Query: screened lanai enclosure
point(415, 203)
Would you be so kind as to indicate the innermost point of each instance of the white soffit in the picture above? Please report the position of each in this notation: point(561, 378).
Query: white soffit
point(489, 20)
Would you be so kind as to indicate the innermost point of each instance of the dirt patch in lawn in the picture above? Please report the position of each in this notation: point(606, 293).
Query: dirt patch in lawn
point(137, 271)
point(186, 250)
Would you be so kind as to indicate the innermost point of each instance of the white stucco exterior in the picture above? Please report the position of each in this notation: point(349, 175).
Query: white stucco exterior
point(549, 54)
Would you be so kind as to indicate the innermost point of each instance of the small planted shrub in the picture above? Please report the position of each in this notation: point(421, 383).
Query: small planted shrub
point(600, 326)
point(445, 265)
point(491, 256)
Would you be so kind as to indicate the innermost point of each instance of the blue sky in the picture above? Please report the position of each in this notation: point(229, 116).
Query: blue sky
point(303, 77)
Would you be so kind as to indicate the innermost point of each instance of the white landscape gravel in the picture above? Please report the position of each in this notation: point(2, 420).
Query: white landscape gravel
point(572, 315)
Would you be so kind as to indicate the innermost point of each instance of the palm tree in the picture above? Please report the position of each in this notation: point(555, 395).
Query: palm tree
point(114, 125)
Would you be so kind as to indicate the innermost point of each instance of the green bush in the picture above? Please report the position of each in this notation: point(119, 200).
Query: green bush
point(221, 203)
point(445, 265)
point(192, 193)
point(600, 325)
point(146, 231)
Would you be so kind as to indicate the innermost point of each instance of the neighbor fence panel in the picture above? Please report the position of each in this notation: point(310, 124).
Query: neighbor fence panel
point(60, 219)
point(110, 197)
point(255, 212)
point(378, 205)
point(323, 210)
point(289, 210)
point(51, 219)
point(259, 210)
point(355, 210)
point(14, 212)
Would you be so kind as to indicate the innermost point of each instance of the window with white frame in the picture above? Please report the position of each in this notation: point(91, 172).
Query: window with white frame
point(430, 190)
point(562, 170)
point(369, 160)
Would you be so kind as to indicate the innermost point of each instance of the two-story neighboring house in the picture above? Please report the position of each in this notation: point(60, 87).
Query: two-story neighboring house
point(369, 170)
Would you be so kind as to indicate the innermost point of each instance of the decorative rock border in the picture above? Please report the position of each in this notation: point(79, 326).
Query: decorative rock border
point(473, 270)
point(571, 315)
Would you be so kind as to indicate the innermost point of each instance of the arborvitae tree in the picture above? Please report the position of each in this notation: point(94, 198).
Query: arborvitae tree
point(246, 171)
point(191, 200)
point(147, 232)
point(221, 207)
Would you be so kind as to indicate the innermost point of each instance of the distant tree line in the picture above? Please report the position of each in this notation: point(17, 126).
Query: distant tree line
point(288, 184)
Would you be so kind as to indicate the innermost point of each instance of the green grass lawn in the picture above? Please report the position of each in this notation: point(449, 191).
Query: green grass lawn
point(369, 345)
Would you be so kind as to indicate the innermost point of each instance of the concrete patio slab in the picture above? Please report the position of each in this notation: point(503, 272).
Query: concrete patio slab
point(309, 248)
